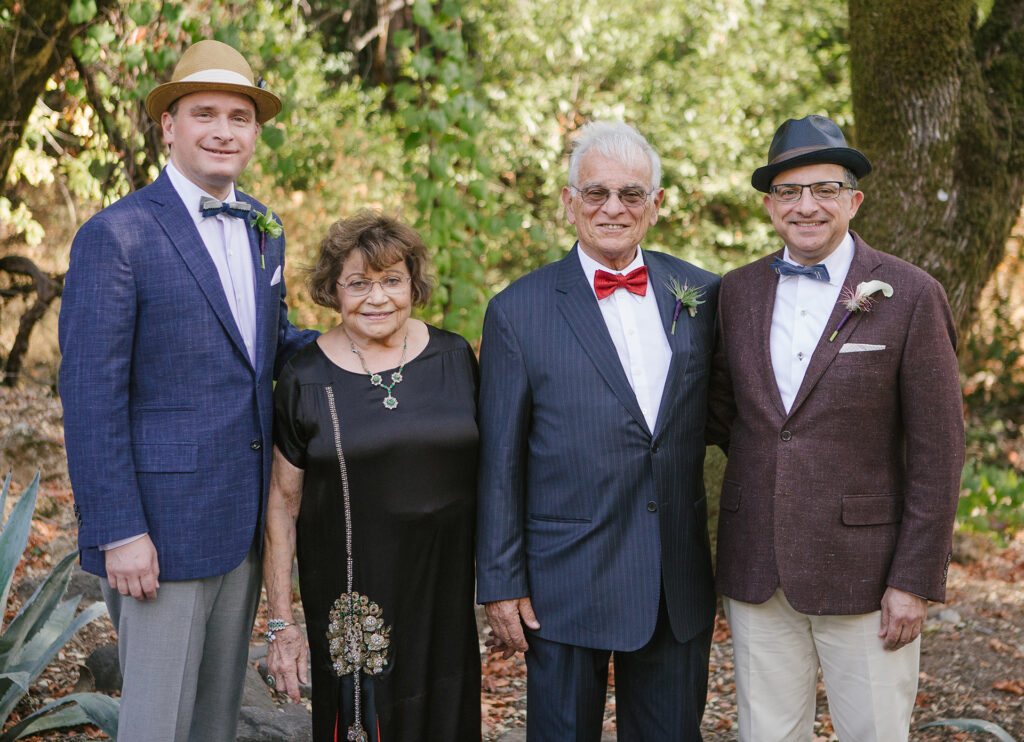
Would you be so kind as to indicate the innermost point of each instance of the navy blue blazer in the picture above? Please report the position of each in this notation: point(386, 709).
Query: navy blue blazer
point(582, 507)
point(167, 423)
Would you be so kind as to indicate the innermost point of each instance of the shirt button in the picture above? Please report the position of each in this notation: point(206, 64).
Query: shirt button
point(803, 312)
point(256, 445)
point(800, 356)
point(786, 435)
point(652, 507)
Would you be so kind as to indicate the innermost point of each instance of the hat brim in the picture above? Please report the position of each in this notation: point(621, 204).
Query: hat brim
point(161, 97)
point(845, 156)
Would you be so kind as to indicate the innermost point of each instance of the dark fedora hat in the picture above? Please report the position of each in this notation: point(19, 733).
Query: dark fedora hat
point(808, 141)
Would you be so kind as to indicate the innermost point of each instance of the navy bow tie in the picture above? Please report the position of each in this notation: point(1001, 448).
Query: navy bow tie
point(818, 272)
point(211, 207)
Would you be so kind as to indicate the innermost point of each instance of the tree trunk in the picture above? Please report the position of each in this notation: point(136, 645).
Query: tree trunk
point(47, 288)
point(32, 48)
point(937, 102)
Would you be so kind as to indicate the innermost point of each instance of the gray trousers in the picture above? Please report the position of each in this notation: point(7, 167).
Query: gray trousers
point(183, 656)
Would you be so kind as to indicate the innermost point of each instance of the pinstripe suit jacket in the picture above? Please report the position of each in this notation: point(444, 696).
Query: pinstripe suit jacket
point(582, 507)
point(167, 422)
point(855, 488)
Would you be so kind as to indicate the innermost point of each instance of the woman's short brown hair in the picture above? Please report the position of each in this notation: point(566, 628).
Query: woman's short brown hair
point(383, 241)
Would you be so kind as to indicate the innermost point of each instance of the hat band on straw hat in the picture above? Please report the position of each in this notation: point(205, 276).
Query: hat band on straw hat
point(227, 77)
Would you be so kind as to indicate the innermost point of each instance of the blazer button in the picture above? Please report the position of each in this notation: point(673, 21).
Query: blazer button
point(786, 435)
point(654, 448)
point(256, 445)
point(652, 507)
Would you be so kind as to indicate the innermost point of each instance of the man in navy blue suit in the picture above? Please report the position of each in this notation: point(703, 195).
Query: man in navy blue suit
point(172, 324)
point(592, 525)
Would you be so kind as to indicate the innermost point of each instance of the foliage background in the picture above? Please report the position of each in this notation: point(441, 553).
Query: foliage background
point(458, 117)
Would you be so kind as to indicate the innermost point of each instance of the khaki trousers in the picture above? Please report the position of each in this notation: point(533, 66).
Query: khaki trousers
point(777, 652)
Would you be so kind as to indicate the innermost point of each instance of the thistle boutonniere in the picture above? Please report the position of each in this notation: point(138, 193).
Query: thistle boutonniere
point(859, 300)
point(686, 296)
point(266, 224)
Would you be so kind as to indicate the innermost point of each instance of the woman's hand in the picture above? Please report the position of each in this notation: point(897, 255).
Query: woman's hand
point(287, 661)
point(287, 655)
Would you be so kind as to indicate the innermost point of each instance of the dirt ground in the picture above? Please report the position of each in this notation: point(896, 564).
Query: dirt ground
point(972, 662)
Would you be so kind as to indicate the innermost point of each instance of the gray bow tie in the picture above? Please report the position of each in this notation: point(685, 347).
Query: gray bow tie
point(818, 271)
point(211, 207)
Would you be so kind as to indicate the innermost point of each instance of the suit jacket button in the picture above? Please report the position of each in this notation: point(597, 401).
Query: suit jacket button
point(652, 507)
point(786, 435)
point(256, 445)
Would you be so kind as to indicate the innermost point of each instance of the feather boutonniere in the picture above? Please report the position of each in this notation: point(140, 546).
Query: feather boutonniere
point(686, 296)
point(859, 300)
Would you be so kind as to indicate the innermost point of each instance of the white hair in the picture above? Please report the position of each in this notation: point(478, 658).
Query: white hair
point(616, 140)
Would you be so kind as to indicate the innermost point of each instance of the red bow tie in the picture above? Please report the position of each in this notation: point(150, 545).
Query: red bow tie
point(635, 282)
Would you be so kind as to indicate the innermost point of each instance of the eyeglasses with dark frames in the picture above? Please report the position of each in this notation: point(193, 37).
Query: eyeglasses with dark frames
point(826, 190)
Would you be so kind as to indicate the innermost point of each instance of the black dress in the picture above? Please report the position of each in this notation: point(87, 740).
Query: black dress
point(412, 478)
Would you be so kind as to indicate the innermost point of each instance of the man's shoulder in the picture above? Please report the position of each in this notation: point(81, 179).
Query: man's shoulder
point(130, 206)
point(687, 272)
point(750, 270)
point(888, 267)
point(888, 261)
point(536, 281)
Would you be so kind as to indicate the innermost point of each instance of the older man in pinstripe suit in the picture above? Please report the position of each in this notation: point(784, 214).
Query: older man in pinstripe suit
point(592, 519)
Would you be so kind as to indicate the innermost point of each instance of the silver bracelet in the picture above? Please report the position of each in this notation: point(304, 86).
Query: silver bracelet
point(273, 626)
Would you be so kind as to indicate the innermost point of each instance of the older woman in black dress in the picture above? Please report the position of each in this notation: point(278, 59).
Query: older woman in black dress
point(374, 482)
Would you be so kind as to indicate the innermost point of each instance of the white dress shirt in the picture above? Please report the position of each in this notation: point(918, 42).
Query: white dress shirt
point(227, 240)
point(802, 308)
point(639, 337)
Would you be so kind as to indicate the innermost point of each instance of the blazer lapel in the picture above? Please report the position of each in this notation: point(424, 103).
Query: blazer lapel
point(825, 352)
point(767, 283)
point(578, 305)
point(179, 228)
point(678, 341)
point(261, 282)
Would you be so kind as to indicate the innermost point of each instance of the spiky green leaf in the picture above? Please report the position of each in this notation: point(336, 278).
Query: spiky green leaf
point(72, 710)
point(14, 536)
point(973, 725)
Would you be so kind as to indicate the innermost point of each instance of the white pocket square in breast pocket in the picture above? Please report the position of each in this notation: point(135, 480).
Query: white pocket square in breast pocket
point(276, 278)
point(859, 347)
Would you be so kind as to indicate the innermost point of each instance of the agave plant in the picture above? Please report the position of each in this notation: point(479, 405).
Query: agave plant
point(973, 725)
point(44, 625)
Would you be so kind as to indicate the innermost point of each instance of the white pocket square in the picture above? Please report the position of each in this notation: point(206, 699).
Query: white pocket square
point(859, 347)
point(276, 278)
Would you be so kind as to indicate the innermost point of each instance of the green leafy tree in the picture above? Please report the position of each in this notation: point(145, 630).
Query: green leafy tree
point(446, 162)
point(706, 82)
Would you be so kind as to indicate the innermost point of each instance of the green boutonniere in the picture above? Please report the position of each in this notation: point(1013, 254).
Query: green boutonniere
point(686, 296)
point(266, 224)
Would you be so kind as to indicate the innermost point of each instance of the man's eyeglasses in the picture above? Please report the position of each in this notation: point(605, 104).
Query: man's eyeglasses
point(363, 286)
point(824, 191)
point(596, 195)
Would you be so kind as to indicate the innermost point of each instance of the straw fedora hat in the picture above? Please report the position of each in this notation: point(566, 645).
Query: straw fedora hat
point(807, 141)
point(212, 66)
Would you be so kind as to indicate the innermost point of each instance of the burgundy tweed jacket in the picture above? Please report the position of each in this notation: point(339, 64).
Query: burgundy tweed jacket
point(856, 487)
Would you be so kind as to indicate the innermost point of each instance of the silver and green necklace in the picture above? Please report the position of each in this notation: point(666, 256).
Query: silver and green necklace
point(390, 402)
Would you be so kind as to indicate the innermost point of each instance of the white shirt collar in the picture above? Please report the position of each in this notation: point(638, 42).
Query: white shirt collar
point(838, 262)
point(591, 266)
point(190, 193)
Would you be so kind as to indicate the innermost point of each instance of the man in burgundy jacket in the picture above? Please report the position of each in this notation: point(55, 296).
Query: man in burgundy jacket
point(842, 419)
